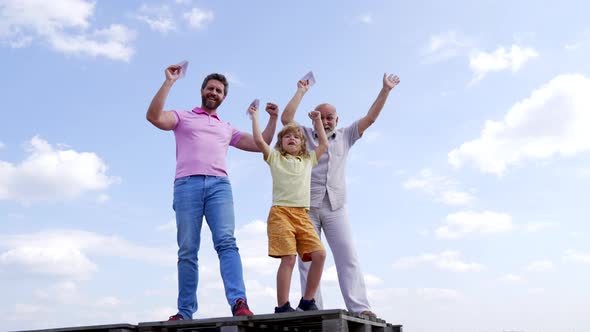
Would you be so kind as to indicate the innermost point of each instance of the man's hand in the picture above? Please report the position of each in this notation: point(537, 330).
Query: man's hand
point(315, 116)
point(390, 81)
point(303, 86)
point(272, 109)
point(173, 73)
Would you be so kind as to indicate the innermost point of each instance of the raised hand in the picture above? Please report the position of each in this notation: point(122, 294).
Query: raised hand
point(390, 81)
point(303, 85)
point(253, 111)
point(315, 116)
point(272, 109)
point(173, 72)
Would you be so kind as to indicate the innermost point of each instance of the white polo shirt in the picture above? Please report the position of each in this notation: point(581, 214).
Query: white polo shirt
point(329, 175)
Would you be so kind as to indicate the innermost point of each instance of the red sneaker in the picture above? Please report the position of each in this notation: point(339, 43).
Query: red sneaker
point(240, 308)
point(176, 317)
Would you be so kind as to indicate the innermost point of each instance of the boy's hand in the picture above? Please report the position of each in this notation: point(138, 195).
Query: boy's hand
point(303, 85)
point(315, 116)
point(390, 81)
point(252, 111)
point(173, 72)
point(272, 109)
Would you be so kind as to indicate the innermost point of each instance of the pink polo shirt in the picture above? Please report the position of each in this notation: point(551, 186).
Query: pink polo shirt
point(202, 141)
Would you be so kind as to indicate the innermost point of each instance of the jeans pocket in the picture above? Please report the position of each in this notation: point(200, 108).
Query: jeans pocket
point(181, 181)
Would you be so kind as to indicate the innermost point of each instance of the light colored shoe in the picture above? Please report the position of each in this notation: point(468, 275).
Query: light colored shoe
point(368, 313)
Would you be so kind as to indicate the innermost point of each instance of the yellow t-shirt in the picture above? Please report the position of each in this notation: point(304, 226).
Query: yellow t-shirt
point(291, 178)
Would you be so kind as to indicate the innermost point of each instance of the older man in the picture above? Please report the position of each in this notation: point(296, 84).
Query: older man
point(328, 192)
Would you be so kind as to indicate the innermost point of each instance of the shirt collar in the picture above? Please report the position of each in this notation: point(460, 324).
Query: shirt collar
point(332, 135)
point(199, 111)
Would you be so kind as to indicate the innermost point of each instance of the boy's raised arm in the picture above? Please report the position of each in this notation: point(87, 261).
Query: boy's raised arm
point(256, 134)
point(289, 113)
point(271, 125)
point(316, 118)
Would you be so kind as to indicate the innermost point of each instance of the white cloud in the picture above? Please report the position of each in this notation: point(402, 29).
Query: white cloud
point(482, 63)
point(168, 227)
point(64, 25)
point(554, 120)
point(365, 18)
point(536, 291)
point(253, 236)
point(380, 163)
point(539, 266)
point(577, 256)
point(67, 253)
point(511, 278)
point(256, 228)
point(111, 42)
point(20, 42)
point(158, 18)
point(461, 224)
point(109, 302)
point(29, 309)
point(373, 136)
point(441, 188)
point(373, 281)
point(446, 260)
point(61, 261)
point(199, 18)
point(538, 226)
point(103, 198)
point(573, 46)
point(330, 275)
point(260, 290)
point(455, 198)
point(452, 44)
point(2, 145)
point(52, 174)
point(436, 294)
point(64, 292)
point(233, 79)
point(447, 45)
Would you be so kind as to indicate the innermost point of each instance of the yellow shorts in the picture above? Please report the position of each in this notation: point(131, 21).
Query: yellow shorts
point(290, 232)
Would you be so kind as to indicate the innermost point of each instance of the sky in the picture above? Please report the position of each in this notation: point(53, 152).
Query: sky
point(466, 197)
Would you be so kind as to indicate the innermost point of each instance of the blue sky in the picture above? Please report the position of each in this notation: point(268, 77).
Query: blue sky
point(466, 196)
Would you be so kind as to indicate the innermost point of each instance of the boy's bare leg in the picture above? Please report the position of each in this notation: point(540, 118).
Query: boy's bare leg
point(284, 278)
point(315, 273)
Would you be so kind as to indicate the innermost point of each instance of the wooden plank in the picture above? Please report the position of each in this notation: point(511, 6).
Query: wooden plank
point(93, 328)
point(334, 320)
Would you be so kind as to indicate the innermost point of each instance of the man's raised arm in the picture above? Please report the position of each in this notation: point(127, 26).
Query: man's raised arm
point(289, 113)
point(389, 82)
point(155, 113)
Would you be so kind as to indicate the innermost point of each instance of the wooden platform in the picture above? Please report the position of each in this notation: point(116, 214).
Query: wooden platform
point(320, 321)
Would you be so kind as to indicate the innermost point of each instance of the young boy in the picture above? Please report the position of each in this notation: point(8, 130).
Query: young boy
point(290, 232)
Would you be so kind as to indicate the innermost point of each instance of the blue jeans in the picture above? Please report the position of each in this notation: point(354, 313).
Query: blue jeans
point(210, 196)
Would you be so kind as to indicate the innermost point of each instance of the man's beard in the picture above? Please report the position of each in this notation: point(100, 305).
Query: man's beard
point(210, 104)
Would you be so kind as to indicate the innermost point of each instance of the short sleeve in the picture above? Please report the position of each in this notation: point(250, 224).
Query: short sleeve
point(351, 133)
point(178, 118)
point(272, 156)
point(313, 158)
point(236, 135)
